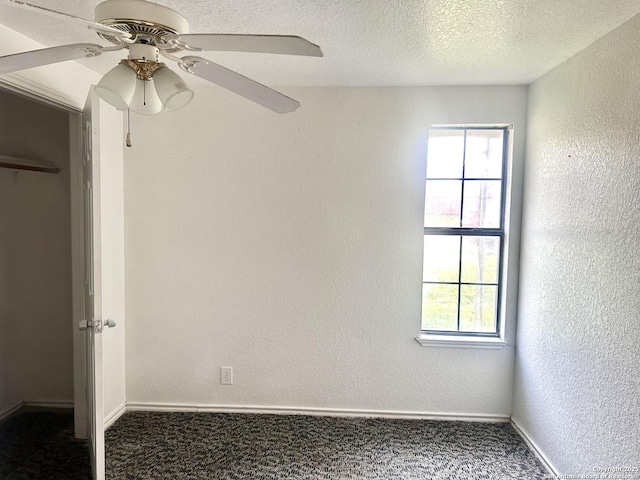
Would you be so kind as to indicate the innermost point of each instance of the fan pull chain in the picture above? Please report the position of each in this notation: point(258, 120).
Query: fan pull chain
point(129, 128)
point(144, 89)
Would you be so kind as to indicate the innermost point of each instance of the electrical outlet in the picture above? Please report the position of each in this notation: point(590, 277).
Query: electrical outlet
point(226, 375)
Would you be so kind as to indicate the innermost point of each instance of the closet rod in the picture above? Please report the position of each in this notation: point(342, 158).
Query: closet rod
point(16, 163)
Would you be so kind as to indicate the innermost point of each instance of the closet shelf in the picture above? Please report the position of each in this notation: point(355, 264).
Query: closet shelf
point(26, 164)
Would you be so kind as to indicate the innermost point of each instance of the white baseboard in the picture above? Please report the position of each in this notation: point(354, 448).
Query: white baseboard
point(10, 411)
point(332, 412)
point(37, 403)
point(48, 404)
point(535, 449)
point(108, 421)
point(115, 415)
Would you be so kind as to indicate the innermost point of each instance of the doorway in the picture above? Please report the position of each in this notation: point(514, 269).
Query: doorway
point(38, 381)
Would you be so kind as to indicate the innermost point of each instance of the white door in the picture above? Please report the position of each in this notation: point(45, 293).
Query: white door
point(104, 270)
point(93, 282)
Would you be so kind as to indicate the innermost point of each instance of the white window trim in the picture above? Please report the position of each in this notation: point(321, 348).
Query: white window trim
point(459, 341)
point(481, 342)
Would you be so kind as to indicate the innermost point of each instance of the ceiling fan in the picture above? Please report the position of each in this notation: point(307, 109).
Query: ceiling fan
point(149, 31)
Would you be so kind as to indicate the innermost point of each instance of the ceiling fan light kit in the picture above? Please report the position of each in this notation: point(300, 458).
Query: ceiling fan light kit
point(118, 86)
point(143, 84)
point(172, 90)
point(146, 100)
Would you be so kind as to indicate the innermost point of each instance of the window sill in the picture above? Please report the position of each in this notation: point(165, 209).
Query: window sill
point(461, 342)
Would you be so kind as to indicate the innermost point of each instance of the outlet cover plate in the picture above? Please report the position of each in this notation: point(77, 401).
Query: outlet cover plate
point(226, 375)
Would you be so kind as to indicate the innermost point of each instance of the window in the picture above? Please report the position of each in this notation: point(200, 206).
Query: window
point(464, 235)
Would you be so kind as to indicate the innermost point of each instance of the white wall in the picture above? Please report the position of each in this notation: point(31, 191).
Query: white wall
point(289, 247)
point(577, 386)
point(35, 257)
point(64, 83)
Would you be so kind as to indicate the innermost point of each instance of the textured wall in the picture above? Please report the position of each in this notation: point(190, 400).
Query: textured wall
point(577, 385)
point(35, 257)
point(289, 247)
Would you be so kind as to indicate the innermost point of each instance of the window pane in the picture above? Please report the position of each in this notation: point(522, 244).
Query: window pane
point(445, 153)
point(439, 307)
point(441, 258)
point(483, 157)
point(461, 272)
point(481, 204)
point(480, 257)
point(478, 308)
point(442, 203)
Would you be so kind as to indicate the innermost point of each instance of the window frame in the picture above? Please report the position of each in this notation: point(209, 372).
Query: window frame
point(492, 339)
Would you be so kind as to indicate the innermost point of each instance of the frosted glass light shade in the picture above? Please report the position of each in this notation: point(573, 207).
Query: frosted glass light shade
point(145, 100)
point(118, 86)
point(171, 89)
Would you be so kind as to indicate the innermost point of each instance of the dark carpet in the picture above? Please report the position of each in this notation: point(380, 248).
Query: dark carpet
point(152, 445)
point(39, 445)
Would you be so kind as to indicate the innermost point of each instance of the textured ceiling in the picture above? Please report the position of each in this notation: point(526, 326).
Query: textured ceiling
point(376, 42)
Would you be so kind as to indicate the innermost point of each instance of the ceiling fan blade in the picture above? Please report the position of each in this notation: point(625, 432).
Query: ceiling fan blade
point(47, 56)
point(239, 84)
point(65, 16)
point(283, 44)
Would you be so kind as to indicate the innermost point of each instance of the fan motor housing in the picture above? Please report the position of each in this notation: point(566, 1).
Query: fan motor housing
point(139, 17)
